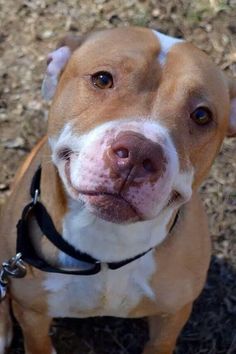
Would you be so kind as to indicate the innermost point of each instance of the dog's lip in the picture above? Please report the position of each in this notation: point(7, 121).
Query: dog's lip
point(91, 193)
point(174, 197)
point(118, 196)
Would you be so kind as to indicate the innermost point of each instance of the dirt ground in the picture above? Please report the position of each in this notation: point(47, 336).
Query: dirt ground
point(28, 31)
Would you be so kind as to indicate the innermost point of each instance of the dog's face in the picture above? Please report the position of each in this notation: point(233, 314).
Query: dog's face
point(136, 121)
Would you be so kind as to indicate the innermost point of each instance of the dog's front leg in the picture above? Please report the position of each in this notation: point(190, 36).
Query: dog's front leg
point(35, 327)
point(164, 330)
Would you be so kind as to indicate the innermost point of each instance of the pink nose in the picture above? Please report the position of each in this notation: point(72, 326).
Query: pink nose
point(132, 156)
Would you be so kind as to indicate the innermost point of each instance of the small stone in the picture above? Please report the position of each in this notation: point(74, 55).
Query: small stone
point(15, 143)
point(34, 105)
point(3, 187)
point(156, 13)
point(225, 39)
point(47, 34)
point(3, 117)
point(208, 27)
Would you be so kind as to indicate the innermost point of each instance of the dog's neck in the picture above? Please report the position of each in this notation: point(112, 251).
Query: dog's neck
point(111, 242)
point(106, 241)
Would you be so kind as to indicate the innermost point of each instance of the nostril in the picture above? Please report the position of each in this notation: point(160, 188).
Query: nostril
point(149, 166)
point(64, 153)
point(123, 153)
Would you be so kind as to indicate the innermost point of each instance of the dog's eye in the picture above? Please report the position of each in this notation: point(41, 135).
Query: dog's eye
point(201, 116)
point(102, 80)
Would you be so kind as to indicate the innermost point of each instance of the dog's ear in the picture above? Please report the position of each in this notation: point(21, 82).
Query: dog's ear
point(232, 117)
point(56, 62)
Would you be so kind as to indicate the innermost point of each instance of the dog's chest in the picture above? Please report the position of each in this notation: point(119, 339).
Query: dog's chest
point(108, 293)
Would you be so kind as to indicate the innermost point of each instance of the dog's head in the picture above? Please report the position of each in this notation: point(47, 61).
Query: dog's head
point(136, 120)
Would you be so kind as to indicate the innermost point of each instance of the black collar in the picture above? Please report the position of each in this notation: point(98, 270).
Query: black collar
point(26, 248)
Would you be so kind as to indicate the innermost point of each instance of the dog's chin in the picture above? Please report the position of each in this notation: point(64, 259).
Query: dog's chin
point(111, 208)
point(107, 206)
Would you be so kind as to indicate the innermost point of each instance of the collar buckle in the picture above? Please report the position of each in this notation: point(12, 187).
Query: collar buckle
point(13, 268)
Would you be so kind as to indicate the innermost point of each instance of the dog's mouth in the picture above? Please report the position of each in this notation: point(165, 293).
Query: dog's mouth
point(116, 207)
point(110, 207)
point(175, 198)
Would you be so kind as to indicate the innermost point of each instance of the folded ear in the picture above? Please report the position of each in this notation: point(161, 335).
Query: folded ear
point(56, 63)
point(232, 118)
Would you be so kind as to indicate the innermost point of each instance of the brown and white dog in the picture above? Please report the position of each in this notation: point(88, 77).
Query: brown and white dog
point(136, 121)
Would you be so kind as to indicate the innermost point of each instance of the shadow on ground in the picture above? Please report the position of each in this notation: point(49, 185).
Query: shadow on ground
point(210, 330)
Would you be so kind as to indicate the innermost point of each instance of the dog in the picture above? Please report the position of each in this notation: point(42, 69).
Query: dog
point(116, 226)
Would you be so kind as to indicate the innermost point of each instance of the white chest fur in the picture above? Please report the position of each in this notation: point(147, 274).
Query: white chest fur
point(108, 293)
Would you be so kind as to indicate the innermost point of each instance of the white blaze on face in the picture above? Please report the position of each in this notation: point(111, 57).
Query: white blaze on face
point(166, 42)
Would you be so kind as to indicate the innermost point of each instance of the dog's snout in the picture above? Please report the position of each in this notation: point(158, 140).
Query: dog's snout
point(134, 154)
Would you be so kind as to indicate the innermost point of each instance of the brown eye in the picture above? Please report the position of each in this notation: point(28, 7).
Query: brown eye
point(201, 116)
point(102, 80)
